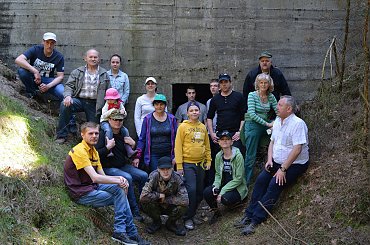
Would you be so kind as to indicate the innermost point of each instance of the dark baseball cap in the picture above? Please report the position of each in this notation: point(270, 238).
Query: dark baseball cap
point(265, 54)
point(165, 162)
point(224, 76)
point(224, 133)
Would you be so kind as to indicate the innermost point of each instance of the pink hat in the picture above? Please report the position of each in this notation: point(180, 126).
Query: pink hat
point(112, 94)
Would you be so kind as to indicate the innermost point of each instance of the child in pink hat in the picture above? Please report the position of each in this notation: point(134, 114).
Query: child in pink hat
point(113, 101)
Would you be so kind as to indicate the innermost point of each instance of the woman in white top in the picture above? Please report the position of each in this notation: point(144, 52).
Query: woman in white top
point(144, 104)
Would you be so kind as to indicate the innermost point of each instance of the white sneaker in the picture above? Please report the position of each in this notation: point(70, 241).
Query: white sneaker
point(189, 224)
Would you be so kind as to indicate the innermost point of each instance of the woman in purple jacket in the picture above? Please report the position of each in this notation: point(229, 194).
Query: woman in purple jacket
point(157, 137)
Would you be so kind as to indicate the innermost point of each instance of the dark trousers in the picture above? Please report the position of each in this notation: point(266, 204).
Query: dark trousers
point(194, 177)
point(267, 191)
point(78, 105)
point(155, 209)
point(210, 174)
point(228, 199)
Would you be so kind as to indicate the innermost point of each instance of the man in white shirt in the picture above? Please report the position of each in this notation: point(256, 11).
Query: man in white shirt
point(287, 160)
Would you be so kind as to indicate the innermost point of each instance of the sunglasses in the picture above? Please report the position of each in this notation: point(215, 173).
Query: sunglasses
point(120, 120)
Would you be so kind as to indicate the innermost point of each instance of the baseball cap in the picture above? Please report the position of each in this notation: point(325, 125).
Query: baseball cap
point(50, 36)
point(224, 76)
point(224, 133)
point(265, 54)
point(116, 114)
point(150, 79)
point(160, 97)
point(164, 162)
point(191, 103)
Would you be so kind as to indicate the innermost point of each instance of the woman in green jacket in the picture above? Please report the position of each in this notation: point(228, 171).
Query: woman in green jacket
point(229, 187)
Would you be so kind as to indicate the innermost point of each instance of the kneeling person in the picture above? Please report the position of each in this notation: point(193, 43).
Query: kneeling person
point(165, 193)
point(88, 185)
point(229, 187)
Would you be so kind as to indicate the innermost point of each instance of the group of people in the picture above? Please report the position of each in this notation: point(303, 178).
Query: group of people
point(202, 152)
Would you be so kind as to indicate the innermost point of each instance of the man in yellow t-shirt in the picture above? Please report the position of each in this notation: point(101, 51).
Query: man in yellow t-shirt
point(88, 185)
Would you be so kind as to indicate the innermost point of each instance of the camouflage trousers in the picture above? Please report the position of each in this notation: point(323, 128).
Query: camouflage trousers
point(154, 210)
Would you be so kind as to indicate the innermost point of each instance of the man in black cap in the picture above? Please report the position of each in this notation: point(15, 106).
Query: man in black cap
point(265, 65)
point(230, 108)
point(165, 193)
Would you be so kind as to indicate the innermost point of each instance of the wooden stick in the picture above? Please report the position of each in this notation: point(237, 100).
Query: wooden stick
point(282, 227)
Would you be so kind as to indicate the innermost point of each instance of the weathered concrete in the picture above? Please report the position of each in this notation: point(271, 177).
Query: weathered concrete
point(181, 41)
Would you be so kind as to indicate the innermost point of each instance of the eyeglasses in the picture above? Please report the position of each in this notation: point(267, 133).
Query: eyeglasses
point(120, 120)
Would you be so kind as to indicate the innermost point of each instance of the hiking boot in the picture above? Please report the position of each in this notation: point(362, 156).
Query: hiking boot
point(60, 140)
point(249, 229)
point(197, 221)
point(215, 217)
point(139, 240)
point(243, 222)
point(179, 230)
point(123, 238)
point(189, 224)
point(138, 217)
point(153, 227)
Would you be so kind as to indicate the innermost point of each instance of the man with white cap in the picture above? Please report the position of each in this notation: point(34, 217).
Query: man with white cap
point(38, 66)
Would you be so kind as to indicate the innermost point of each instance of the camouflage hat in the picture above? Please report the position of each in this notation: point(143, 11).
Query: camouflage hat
point(265, 54)
point(116, 114)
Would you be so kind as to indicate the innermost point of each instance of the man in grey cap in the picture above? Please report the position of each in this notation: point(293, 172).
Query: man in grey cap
point(38, 66)
point(265, 65)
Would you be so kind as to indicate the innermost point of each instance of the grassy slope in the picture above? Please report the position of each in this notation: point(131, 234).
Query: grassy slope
point(330, 204)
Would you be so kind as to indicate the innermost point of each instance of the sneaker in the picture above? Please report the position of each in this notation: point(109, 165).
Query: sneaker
point(153, 227)
point(189, 224)
point(123, 238)
point(215, 217)
point(60, 141)
point(179, 230)
point(243, 222)
point(139, 240)
point(249, 229)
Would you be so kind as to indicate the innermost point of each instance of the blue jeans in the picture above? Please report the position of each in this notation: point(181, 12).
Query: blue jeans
point(253, 134)
point(78, 105)
point(130, 173)
point(267, 191)
point(107, 194)
point(28, 80)
point(108, 130)
point(194, 180)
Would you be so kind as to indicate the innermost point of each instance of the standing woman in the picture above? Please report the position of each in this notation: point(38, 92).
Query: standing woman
point(157, 137)
point(193, 156)
point(257, 119)
point(144, 104)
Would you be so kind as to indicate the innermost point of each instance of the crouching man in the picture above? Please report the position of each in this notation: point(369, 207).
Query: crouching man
point(88, 185)
point(165, 193)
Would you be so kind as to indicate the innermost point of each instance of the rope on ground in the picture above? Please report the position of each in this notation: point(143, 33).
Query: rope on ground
point(282, 227)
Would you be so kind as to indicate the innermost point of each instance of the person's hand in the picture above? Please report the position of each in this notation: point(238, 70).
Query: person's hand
point(128, 140)
point(215, 191)
point(268, 166)
point(214, 138)
point(123, 111)
point(219, 199)
point(280, 177)
point(67, 101)
point(44, 87)
point(236, 136)
point(110, 143)
point(162, 197)
point(173, 162)
point(135, 162)
point(207, 167)
point(37, 77)
point(270, 124)
point(180, 172)
point(123, 183)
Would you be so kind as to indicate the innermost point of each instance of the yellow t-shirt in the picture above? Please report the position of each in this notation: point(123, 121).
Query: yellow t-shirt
point(83, 155)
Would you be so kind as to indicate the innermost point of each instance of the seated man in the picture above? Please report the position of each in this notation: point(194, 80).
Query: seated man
point(84, 91)
point(165, 193)
point(118, 164)
point(287, 160)
point(39, 72)
point(88, 185)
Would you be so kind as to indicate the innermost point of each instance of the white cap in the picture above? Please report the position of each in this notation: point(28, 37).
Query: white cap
point(150, 79)
point(50, 36)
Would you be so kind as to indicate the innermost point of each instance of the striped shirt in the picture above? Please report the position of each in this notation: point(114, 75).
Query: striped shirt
point(257, 110)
